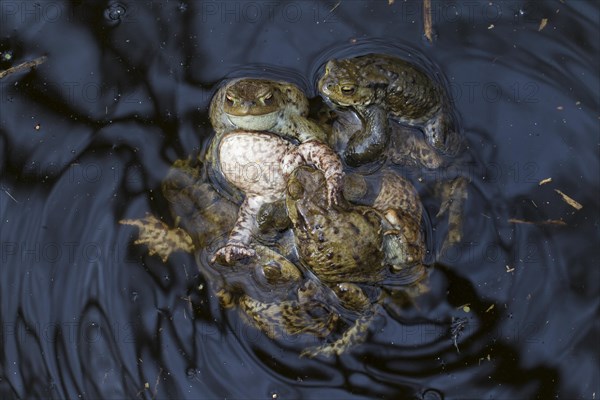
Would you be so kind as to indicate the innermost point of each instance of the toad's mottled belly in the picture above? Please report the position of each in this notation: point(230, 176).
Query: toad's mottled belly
point(252, 161)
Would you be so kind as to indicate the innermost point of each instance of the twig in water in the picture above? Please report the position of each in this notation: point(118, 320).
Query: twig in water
point(23, 66)
point(427, 20)
point(335, 6)
point(569, 200)
point(456, 328)
point(9, 195)
point(156, 383)
point(546, 222)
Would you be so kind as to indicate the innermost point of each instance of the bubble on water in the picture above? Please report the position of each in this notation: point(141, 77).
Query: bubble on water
point(114, 13)
point(432, 394)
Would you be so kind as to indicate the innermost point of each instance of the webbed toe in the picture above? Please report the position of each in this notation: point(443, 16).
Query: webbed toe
point(159, 238)
point(232, 252)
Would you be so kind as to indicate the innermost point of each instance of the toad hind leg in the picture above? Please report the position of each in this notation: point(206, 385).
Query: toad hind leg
point(354, 335)
point(409, 149)
point(397, 193)
point(288, 317)
point(442, 135)
point(159, 238)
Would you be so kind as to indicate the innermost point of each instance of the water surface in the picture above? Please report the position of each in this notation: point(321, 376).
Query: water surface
point(87, 137)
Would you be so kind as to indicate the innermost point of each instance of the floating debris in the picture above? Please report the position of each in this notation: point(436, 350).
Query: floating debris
point(569, 200)
point(23, 66)
point(427, 20)
point(390, 2)
point(492, 26)
point(8, 194)
point(544, 181)
point(509, 269)
point(543, 24)
point(456, 328)
point(6, 56)
point(546, 222)
point(488, 357)
point(335, 6)
point(490, 308)
point(155, 391)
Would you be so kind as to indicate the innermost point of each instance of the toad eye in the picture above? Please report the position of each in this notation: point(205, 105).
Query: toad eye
point(348, 89)
point(229, 100)
point(268, 99)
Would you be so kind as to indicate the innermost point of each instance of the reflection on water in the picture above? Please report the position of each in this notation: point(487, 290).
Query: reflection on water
point(125, 92)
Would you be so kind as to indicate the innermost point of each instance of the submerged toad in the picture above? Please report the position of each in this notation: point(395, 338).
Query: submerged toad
point(354, 243)
point(268, 289)
point(377, 87)
point(350, 246)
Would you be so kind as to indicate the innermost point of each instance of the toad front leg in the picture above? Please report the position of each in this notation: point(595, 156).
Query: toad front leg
point(369, 143)
point(300, 128)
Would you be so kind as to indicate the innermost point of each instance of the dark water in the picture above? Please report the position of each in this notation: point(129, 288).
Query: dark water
point(86, 139)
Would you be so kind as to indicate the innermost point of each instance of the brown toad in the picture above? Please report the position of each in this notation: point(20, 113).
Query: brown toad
point(377, 87)
point(352, 246)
